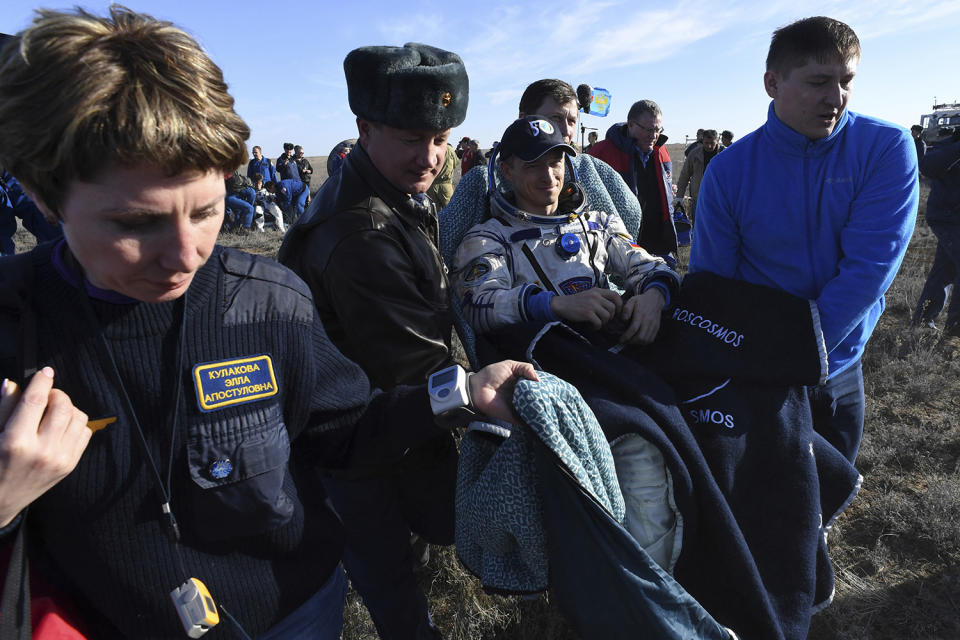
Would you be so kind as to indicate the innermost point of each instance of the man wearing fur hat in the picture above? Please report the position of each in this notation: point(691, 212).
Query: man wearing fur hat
point(287, 168)
point(367, 248)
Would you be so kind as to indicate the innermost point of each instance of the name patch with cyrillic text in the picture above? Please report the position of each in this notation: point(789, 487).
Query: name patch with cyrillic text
point(229, 382)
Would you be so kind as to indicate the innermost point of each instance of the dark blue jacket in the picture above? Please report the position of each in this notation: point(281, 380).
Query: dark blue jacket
point(287, 168)
point(941, 164)
point(259, 532)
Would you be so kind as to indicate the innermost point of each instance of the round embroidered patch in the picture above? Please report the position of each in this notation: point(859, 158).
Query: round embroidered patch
point(220, 469)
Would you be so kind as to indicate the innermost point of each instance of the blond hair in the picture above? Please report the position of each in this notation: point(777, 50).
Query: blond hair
point(78, 91)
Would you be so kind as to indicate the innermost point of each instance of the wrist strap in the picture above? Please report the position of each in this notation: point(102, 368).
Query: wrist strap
point(470, 404)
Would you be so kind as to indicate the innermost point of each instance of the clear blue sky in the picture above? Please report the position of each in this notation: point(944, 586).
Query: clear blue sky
point(701, 61)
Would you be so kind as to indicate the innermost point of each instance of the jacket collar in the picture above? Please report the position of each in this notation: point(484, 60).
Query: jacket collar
point(360, 161)
point(414, 209)
point(789, 140)
point(617, 134)
point(621, 139)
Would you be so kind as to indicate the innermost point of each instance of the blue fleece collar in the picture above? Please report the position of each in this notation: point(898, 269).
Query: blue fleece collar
point(786, 139)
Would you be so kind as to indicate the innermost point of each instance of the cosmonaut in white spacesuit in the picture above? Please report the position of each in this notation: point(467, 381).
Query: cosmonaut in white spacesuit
point(544, 256)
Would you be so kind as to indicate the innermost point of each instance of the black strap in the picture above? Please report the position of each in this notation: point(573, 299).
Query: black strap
point(15, 601)
point(597, 273)
point(544, 280)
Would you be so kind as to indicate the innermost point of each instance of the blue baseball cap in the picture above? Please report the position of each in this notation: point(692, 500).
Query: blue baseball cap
point(530, 137)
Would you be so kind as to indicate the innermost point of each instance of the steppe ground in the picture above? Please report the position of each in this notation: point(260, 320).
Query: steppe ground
point(896, 550)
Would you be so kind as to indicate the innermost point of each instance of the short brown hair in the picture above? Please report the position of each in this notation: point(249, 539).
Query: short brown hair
point(534, 95)
point(819, 38)
point(641, 107)
point(78, 91)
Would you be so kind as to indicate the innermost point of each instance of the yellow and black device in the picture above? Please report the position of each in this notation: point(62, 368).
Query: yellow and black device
point(195, 606)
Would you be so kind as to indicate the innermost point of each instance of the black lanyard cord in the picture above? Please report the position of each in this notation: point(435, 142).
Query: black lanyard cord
point(170, 520)
point(597, 274)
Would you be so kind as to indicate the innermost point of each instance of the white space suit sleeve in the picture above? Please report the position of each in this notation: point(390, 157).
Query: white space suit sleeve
point(483, 279)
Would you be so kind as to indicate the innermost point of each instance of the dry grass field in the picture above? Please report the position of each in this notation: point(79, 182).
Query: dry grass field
point(896, 550)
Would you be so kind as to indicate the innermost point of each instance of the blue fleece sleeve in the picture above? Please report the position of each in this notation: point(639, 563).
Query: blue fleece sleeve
point(716, 236)
point(873, 241)
point(538, 306)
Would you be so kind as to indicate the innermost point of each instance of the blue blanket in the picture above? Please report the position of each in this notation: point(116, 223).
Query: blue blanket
point(499, 532)
point(526, 494)
point(757, 488)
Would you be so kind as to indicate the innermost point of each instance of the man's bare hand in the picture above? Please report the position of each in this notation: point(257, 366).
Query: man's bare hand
point(491, 388)
point(642, 315)
point(42, 440)
point(594, 307)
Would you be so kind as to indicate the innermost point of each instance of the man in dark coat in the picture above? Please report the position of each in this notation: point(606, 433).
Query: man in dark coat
point(368, 250)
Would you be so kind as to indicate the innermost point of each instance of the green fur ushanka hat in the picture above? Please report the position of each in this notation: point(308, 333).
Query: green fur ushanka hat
point(415, 86)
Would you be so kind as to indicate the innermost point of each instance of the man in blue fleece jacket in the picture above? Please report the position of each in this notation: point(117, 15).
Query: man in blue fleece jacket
point(819, 202)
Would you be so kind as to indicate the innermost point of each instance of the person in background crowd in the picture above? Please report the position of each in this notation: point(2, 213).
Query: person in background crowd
point(819, 202)
point(472, 157)
point(266, 205)
point(261, 165)
point(693, 145)
point(916, 131)
point(304, 168)
point(337, 155)
point(462, 146)
point(14, 203)
point(637, 150)
point(694, 167)
point(368, 250)
point(442, 188)
point(726, 138)
point(303, 165)
point(591, 140)
point(291, 197)
point(287, 168)
point(240, 197)
point(941, 164)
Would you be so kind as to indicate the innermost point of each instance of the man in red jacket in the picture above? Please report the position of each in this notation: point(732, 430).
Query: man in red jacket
point(636, 149)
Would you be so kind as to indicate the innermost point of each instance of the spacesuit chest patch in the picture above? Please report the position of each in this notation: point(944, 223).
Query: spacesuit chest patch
point(576, 285)
point(230, 382)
